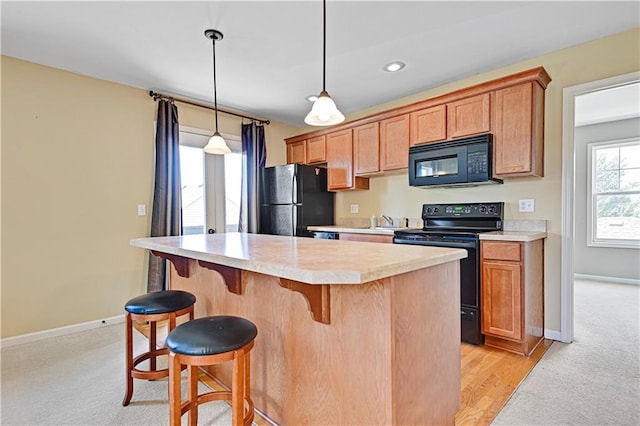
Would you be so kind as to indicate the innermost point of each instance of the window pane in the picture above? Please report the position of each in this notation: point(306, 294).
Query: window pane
point(192, 176)
point(618, 217)
point(607, 180)
point(608, 158)
point(630, 156)
point(233, 191)
point(630, 180)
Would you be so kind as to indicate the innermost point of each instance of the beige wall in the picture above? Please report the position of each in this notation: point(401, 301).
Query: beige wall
point(77, 158)
point(610, 56)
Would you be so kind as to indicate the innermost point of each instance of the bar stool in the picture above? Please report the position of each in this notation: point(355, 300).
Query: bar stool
point(205, 342)
point(152, 307)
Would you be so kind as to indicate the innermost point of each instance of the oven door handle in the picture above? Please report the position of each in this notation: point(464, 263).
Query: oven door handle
point(466, 244)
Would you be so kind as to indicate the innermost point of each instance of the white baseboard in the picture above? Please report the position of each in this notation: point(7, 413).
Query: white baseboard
point(552, 334)
point(60, 331)
point(606, 279)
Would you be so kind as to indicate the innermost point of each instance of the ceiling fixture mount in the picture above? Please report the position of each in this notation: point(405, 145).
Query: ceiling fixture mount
point(324, 111)
point(216, 144)
point(394, 66)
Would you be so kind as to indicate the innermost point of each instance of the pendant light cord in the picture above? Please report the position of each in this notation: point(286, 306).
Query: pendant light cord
point(215, 94)
point(324, 44)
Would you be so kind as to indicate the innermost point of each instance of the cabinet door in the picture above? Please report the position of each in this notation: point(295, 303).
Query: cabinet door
point(296, 152)
point(502, 299)
point(428, 125)
point(366, 149)
point(394, 143)
point(469, 116)
point(340, 160)
point(316, 150)
point(518, 144)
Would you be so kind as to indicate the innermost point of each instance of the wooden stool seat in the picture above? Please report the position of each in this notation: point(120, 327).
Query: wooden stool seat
point(152, 307)
point(210, 341)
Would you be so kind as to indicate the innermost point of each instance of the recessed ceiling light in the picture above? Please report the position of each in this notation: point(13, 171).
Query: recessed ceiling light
point(394, 66)
point(312, 98)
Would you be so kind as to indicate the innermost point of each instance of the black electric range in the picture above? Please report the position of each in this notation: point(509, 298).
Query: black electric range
point(459, 226)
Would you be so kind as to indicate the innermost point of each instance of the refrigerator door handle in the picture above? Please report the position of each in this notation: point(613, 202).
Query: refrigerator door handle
point(294, 187)
point(294, 221)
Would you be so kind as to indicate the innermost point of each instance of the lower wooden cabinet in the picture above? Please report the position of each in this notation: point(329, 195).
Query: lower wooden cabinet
point(512, 295)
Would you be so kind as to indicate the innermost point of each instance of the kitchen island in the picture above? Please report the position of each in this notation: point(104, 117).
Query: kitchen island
point(348, 332)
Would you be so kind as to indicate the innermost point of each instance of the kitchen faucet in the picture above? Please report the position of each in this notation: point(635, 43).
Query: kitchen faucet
point(388, 220)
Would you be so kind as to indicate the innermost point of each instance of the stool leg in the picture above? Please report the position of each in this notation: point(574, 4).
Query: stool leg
point(193, 394)
point(152, 344)
point(237, 389)
point(175, 395)
point(128, 360)
point(247, 384)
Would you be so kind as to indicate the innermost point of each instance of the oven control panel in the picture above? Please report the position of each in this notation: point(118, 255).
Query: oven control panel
point(464, 210)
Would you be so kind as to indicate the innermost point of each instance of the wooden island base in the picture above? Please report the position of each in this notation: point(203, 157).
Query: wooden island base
point(390, 353)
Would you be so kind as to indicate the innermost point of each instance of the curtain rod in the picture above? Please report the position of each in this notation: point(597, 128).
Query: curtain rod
point(156, 95)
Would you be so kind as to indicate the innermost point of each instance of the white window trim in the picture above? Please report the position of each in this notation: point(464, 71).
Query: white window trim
point(591, 200)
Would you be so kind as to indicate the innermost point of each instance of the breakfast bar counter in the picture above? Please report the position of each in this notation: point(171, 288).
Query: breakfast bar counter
point(348, 332)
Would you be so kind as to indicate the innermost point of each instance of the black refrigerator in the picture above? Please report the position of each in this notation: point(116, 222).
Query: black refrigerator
point(292, 197)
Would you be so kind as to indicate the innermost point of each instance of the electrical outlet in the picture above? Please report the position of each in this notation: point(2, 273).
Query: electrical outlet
point(142, 210)
point(526, 206)
point(354, 208)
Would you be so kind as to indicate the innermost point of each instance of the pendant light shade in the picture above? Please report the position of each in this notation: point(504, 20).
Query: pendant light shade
point(324, 111)
point(216, 144)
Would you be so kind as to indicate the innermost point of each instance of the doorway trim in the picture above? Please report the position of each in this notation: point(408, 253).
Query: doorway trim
point(568, 197)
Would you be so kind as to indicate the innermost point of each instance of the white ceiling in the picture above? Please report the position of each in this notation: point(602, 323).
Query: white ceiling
point(271, 56)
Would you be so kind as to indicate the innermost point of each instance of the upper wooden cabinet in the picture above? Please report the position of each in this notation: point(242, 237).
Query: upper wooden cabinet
point(518, 126)
point(297, 152)
point(316, 151)
point(428, 125)
point(394, 143)
point(469, 116)
point(511, 108)
point(340, 174)
point(366, 149)
point(308, 151)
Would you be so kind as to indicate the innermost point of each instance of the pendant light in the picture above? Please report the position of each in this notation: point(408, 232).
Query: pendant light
point(216, 144)
point(324, 111)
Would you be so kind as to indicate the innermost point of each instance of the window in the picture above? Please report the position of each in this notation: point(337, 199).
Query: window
point(614, 219)
point(211, 184)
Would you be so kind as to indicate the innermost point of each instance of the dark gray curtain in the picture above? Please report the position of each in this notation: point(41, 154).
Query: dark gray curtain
point(166, 215)
point(254, 157)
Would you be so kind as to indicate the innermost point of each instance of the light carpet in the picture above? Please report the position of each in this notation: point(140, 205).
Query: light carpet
point(596, 379)
point(78, 379)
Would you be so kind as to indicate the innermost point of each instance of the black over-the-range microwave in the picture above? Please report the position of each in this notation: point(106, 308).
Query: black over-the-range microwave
point(459, 162)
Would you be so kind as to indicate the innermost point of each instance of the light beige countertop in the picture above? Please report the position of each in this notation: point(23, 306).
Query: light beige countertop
point(307, 260)
point(353, 230)
point(522, 236)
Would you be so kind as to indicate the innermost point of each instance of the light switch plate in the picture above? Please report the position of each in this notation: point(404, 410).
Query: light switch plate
point(142, 209)
point(354, 208)
point(526, 206)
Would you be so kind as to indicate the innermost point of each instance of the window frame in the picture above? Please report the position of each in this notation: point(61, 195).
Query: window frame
point(592, 204)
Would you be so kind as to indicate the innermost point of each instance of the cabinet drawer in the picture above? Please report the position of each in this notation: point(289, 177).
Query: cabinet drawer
point(501, 251)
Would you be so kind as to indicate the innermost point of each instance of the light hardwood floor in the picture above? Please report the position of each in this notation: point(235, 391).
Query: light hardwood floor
point(489, 377)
